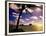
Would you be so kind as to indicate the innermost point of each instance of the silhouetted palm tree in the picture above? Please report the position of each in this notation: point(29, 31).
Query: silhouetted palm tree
point(23, 7)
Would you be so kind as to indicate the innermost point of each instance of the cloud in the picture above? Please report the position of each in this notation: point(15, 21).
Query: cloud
point(24, 11)
point(38, 9)
point(34, 17)
point(41, 17)
point(14, 13)
point(27, 19)
point(21, 20)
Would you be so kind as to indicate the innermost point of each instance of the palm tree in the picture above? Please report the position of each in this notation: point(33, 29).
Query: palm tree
point(23, 7)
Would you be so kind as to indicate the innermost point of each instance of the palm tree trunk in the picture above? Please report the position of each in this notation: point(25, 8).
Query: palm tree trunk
point(23, 7)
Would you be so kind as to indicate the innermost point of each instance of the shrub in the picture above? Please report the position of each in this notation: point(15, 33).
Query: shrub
point(30, 24)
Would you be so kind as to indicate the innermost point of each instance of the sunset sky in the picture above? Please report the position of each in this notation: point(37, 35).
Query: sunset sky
point(33, 15)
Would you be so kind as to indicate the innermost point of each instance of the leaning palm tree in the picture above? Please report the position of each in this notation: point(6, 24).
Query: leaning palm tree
point(23, 7)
